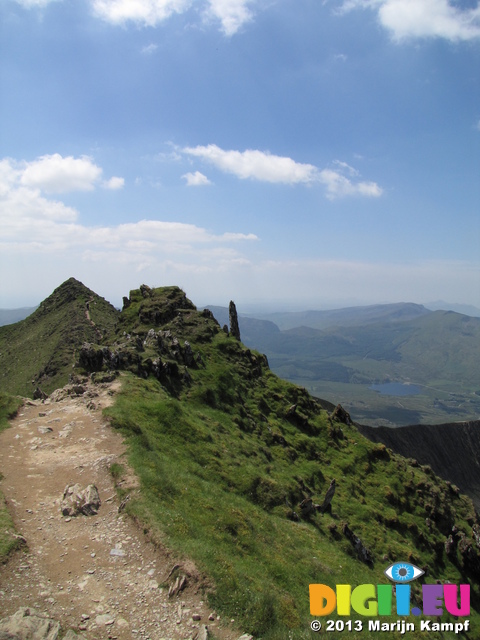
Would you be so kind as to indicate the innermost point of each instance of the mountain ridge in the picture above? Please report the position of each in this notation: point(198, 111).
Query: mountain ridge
point(234, 465)
point(40, 350)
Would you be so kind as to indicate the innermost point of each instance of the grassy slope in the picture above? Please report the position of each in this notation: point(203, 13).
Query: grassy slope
point(8, 409)
point(218, 459)
point(40, 350)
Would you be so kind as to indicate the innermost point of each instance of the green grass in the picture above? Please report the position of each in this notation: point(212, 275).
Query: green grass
point(221, 465)
point(9, 406)
point(41, 350)
point(210, 493)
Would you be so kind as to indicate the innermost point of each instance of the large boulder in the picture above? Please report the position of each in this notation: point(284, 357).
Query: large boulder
point(78, 501)
point(28, 624)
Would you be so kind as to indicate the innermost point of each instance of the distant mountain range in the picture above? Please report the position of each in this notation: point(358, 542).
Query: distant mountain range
point(340, 354)
point(10, 316)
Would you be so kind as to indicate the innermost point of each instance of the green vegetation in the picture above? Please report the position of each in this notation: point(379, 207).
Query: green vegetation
point(41, 350)
point(8, 409)
point(226, 451)
point(439, 351)
point(224, 461)
point(9, 405)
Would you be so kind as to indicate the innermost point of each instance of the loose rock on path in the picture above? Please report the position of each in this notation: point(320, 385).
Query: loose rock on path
point(98, 574)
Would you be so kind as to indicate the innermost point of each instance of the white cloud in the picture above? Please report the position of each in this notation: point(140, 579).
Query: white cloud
point(145, 12)
point(423, 18)
point(57, 174)
point(233, 14)
point(258, 165)
point(266, 167)
point(196, 179)
point(33, 223)
point(114, 183)
point(339, 186)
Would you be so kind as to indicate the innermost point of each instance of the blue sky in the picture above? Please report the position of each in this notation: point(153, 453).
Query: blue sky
point(284, 153)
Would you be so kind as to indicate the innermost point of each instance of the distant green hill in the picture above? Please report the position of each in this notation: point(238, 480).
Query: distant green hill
point(347, 317)
point(437, 352)
point(40, 351)
point(232, 461)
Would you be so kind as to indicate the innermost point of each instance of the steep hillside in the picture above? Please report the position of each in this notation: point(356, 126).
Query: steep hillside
point(40, 351)
point(452, 450)
point(235, 464)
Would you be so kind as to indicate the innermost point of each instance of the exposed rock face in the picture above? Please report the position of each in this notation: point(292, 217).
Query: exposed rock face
point(90, 358)
point(341, 415)
point(452, 450)
point(362, 552)
point(78, 501)
point(28, 624)
point(233, 317)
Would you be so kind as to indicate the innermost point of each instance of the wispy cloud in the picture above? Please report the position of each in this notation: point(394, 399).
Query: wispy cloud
point(258, 165)
point(233, 14)
point(149, 49)
point(31, 4)
point(423, 18)
point(32, 222)
point(144, 12)
point(267, 167)
point(196, 179)
point(344, 181)
point(114, 184)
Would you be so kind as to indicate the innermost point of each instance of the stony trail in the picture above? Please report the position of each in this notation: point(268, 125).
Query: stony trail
point(98, 575)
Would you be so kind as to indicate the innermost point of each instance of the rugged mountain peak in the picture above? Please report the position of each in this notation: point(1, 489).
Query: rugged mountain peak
point(69, 291)
point(40, 351)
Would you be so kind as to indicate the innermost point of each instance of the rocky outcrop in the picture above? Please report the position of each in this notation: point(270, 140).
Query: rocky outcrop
point(233, 318)
point(77, 501)
point(341, 415)
point(29, 624)
point(361, 550)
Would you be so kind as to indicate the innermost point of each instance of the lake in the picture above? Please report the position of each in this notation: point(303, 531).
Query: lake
point(396, 389)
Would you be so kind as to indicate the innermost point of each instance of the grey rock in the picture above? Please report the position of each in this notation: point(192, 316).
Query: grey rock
point(104, 619)
point(203, 633)
point(71, 635)
point(233, 318)
point(188, 356)
point(29, 624)
point(78, 501)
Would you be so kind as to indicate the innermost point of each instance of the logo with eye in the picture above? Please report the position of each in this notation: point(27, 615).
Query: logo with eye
point(403, 572)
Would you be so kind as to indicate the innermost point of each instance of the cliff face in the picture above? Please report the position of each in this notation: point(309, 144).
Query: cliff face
point(452, 450)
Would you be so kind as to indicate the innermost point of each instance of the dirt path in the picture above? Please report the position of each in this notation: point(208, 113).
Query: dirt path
point(98, 574)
